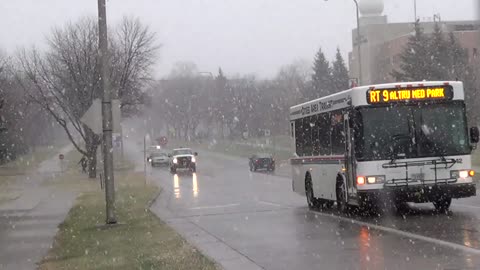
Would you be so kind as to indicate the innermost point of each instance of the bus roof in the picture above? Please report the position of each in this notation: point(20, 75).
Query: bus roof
point(358, 96)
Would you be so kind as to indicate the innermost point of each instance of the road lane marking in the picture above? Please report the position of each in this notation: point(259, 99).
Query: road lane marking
point(270, 203)
point(214, 206)
point(403, 233)
point(466, 205)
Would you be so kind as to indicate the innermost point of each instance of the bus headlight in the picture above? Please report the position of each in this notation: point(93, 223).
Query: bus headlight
point(378, 179)
point(372, 180)
point(175, 161)
point(462, 174)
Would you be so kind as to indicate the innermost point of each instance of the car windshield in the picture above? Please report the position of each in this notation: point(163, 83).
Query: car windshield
point(180, 152)
point(263, 156)
point(413, 131)
point(161, 154)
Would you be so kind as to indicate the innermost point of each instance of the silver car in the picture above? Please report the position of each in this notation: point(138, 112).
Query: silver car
point(159, 159)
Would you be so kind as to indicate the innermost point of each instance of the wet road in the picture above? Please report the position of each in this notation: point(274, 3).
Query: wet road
point(267, 226)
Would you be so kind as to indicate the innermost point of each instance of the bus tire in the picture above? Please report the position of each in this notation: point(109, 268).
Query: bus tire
point(442, 204)
point(329, 204)
point(340, 189)
point(312, 202)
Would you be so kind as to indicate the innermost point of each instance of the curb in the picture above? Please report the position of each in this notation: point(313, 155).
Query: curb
point(155, 198)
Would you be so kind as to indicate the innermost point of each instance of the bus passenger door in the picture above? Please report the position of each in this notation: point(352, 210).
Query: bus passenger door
point(349, 156)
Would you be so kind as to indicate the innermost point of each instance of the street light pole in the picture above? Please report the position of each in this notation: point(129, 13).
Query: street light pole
point(359, 45)
point(106, 115)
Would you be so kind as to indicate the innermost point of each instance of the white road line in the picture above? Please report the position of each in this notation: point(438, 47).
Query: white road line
point(405, 234)
point(466, 205)
point(270, 203)
point(214, 206)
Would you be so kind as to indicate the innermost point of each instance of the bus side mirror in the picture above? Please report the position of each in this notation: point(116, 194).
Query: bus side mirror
point(474, 135)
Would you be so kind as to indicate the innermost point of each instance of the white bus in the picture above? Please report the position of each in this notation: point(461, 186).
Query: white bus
point(406, 142)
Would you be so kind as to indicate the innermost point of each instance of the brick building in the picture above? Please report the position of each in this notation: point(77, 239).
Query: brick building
point(383, 42)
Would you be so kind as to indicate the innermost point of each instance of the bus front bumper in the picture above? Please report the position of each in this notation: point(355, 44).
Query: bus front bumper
point(420, 193)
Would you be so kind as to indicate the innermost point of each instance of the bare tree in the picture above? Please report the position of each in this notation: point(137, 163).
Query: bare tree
point(64, 80)
point(134, 50)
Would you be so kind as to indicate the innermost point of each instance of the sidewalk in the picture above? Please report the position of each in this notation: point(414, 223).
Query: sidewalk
point(29, 223)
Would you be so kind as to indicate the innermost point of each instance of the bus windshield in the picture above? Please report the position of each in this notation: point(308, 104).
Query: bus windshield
point(412, 131)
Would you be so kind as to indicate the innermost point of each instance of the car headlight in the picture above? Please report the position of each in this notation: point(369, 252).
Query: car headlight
point(462, 174)
point(175, 161)
point(193, 159)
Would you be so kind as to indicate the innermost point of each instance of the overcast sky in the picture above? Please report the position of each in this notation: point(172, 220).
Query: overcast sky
point(241, 36)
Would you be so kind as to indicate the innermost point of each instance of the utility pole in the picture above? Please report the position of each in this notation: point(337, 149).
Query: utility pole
point(106, 115)
point(359, 46)
point(415, 10)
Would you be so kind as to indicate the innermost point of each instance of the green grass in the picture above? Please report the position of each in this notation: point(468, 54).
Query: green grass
point(141, 241)
point(28, 162)
point(231, 148)
point(21, 167)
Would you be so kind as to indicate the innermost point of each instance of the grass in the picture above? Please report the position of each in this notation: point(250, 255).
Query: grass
point(21, 167)
point(141, 241)
point(28, 162)
point(231, 148)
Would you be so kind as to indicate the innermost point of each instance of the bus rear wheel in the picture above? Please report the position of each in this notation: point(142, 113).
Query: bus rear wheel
point(312, 202)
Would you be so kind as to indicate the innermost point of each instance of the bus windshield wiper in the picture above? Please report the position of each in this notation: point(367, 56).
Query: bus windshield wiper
point(397, 138)
point(434, 146)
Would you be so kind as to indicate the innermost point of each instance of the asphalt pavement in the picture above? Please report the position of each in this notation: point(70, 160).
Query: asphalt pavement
point(246, 220)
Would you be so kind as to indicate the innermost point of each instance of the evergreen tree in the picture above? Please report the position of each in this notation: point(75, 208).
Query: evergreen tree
point(322, 81)
point(340, 73)
point(438, 49)
point(416, 59)
point(460, 69)
point(221, 101)
point(458, 59)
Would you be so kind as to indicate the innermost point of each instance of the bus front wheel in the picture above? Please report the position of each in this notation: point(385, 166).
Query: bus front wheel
point(312, 202)
point(442, 204)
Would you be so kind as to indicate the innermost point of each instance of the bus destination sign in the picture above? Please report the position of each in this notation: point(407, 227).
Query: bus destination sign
point(409, 94)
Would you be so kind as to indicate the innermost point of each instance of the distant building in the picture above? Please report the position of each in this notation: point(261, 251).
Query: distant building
point(383, 42)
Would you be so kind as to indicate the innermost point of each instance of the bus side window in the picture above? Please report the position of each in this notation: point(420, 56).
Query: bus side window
point(299, 137)
point(324, 131)
point(338, 133)
point(308, 127)
point(315, 135)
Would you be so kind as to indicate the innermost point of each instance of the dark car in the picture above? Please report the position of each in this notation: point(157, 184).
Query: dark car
point(262, 162)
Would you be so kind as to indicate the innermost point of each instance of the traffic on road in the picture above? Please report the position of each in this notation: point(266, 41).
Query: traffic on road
point(273, 135)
